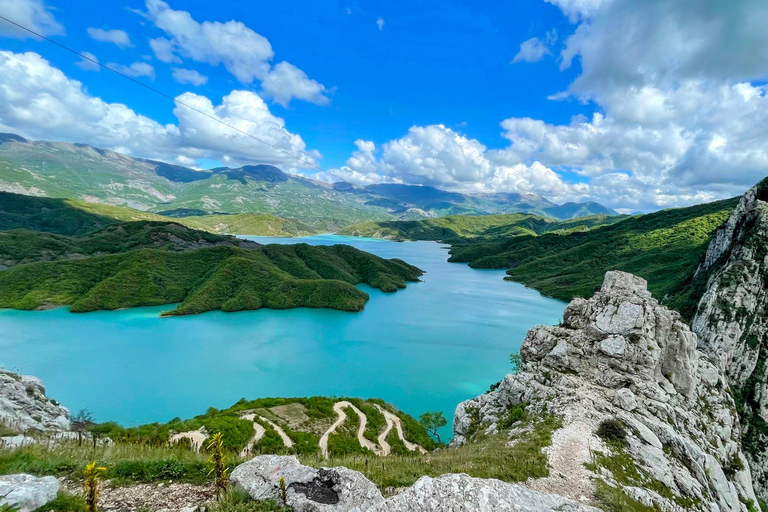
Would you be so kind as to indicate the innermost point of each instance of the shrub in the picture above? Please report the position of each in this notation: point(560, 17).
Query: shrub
point(612, 431)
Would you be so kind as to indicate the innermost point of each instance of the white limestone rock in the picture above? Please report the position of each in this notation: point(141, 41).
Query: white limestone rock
point(25, 408)
point(309, 489)
point(732, 319)
point(460, 492)
point(27, 492)
point(622, 355)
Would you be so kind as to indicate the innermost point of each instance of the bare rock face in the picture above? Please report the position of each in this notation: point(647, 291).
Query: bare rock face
point(25, 408)
point(622, 357)
point(461, 492)
point(732, 320)
point(308, 489)
point(26, 492)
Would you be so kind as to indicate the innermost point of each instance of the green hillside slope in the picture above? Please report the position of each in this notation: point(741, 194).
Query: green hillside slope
point(79, 171)
point(226, 278)
point(457, 227)
point(73, 217)
point(662, 247)
point(18, 246)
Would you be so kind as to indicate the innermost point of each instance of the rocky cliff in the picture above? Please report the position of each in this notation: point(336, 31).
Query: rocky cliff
point(732, 320)
point(647, 418)
point(25, 408)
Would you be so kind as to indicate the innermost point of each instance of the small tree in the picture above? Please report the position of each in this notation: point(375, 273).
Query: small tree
point(515, 361)
point(432, 423)
point(80, 423)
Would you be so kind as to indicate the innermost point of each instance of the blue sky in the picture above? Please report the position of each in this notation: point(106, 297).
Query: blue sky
point(575, 99)
point(431, 63)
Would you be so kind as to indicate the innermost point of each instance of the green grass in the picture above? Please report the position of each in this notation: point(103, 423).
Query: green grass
point(237, 500)
point(65, 502)
point(455, 228)
point(226, 278)
point(125, 462)
point(663, 247)
point(611, 499)
point(624, 470)
point(485, 457)
point(236, 431)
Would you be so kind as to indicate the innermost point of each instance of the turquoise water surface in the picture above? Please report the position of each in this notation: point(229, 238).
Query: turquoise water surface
point(425, 348)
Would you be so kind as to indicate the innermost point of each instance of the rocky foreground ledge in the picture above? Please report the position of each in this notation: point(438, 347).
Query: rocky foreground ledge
point(342, 489)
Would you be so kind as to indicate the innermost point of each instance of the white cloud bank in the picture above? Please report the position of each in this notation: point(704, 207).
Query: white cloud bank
point(243, 52)
point(33, 14)
point(682, 113)
point(38, 100)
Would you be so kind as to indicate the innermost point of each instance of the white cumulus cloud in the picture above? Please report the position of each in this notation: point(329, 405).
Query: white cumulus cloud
point(119, 38)
point(188, 76)
point(33, 14)
point(439, 156)
point(135, 70)
point(535, 48)
point(88, 64)
point(39, 101)
point(242, 51)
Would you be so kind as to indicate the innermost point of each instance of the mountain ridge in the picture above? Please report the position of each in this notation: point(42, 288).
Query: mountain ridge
point(84, 172)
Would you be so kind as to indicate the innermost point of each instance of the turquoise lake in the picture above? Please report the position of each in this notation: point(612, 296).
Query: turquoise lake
point(425, 348)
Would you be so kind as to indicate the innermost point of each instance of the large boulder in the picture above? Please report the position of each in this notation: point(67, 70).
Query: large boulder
point(308, 489)
point(25, 408)
point(27, 492)
point(460, 492)
point(623, 357)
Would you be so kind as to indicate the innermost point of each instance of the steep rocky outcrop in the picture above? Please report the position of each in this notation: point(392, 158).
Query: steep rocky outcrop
point(25, 408)
point(622, 363)
point(732, 319)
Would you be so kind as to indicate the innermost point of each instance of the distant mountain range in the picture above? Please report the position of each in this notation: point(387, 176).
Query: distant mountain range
point(79, 171)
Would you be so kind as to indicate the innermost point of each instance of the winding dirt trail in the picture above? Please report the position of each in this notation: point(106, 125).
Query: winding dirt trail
point(338, 408)
point(287, 441)
point(394, 422)
point(196, 438)
point(258, 433)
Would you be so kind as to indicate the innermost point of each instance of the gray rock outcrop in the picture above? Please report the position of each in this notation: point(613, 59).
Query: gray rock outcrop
point(25, 408)
point(460, 492)
point(621, 356)
point(308, 489)
point(343, 490)
point(27, 492)
point(732, 320)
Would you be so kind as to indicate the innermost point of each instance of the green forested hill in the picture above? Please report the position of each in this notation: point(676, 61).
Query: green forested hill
point(227, 278)
point(91, 257)
point(19, 246)
point(72, 217)
point(663, 247)
point(457, 227)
